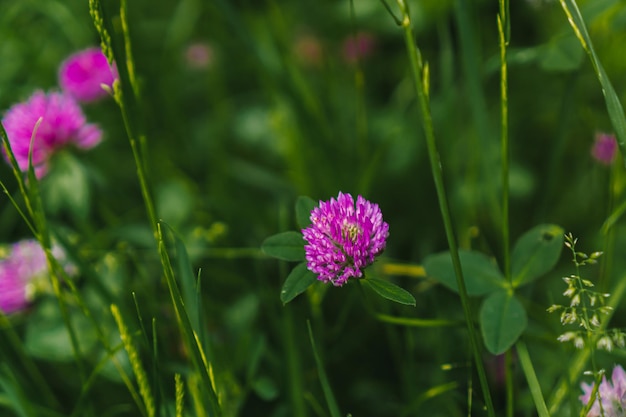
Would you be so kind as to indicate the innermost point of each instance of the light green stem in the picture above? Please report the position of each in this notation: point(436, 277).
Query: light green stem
point(579, 362)
point(421, 83)
point(531, 378)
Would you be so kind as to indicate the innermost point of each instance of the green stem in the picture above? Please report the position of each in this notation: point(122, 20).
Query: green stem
point(328, 393)
point(504, 151)
point(413, 322)
point(503, 32)
point(294, 368)
point(579, 362)
point(531, 378)
point(422, 94)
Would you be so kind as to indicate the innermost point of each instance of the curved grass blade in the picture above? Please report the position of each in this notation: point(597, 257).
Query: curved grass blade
point(613, 104)
point(328, 392)
point(189, 335)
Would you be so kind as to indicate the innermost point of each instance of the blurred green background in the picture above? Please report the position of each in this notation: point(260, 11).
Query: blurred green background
point(247, 105)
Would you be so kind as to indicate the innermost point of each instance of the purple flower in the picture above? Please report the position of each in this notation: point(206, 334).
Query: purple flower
point(20, 271)
point(611, 394)
point(357, 47)
point(199, 56)
point(343, 239)
point(62, 123)
point(82, 75)
point(604, 148)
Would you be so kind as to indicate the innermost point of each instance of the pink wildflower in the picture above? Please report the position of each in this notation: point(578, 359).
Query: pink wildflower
point(62, 124)
point(308, 50)
point(357, 47)
point(83, 74)
point(199, 56)
point(342, 240)
point(604, 148)
point(21, 269)
point(610, 394)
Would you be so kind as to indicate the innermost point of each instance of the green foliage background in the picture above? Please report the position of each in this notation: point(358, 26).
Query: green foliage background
point(231, 146)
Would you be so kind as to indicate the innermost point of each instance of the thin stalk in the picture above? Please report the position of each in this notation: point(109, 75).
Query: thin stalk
point(504, 33)
point(504, 135)
point(294, 367)
point(413, 322)
point(324, 382)
point(609, 238)
point(422, 94)
point(578, 363)
point(531, 379)
point(405, 321)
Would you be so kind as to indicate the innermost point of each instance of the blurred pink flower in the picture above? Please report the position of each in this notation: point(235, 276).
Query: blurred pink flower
point(199, 55)
point(358, 47)
point(62, 123)
point(83, 74)
point(308, 50)
point(604, 148)
point(610, 393)
point(21, 269)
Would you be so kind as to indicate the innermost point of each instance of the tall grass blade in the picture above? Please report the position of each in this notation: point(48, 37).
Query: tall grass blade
point(135, 362)
point(531, 379)
point(613, 104)
point(328, 392)
point(189, 335)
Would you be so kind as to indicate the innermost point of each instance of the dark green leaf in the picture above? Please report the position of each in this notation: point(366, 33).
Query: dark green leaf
point(502, 321)
point(390, 291)
point(297, 282)
point(288, 246)
point(536, 253)
point(304, 206)
point(481, 274)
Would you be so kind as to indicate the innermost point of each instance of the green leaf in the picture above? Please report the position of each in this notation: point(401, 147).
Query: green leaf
point(288, 246)
point(67, 187)
point(47, 335)
point(390, 291)
point(265, 388)
point(304, 206)
point(481, 274)
point(536, 253)
point(502, 321)
point(562, 53)
point(297, 282)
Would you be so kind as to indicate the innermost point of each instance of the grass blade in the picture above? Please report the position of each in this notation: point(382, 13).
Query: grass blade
point(613, 104)
point(328, 393)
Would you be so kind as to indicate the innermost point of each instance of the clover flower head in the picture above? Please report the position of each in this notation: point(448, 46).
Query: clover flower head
point(62, 123)
point(358, 46)
point(610, 393)
point(199, 55)
point(343, 238)
point(83, 74)
point(604, 148)
point(20, 271)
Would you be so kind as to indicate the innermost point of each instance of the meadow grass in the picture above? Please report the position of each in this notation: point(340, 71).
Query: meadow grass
point(188, 289)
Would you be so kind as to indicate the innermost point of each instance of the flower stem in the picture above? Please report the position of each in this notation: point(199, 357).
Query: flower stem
point(420, 78)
